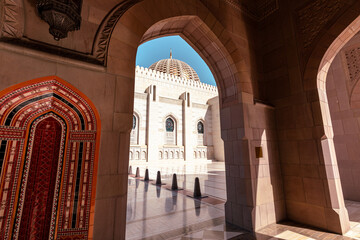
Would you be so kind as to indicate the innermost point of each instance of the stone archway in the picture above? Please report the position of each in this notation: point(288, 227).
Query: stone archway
point(343, 94)
point(48, 126)
point(230, 64)
point(315, 72)
point(209, 47)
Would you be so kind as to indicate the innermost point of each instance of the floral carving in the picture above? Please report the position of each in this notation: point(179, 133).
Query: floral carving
point(106, 28)
point(12, 20)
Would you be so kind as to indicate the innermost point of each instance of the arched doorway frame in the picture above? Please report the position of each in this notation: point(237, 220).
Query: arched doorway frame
point(126, 27)
point(22, 104)
point(332, 40)
point(25, 227)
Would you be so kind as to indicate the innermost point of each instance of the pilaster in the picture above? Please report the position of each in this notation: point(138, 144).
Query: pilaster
point(152, 132)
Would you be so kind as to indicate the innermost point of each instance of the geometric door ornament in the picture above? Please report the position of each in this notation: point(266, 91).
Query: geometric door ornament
point(49, 140)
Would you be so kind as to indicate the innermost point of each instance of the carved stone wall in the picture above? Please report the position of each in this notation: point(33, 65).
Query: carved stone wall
point(351, 59)
point(11, 19)
point(314, 16)
point(257, 10)
point(106, 28)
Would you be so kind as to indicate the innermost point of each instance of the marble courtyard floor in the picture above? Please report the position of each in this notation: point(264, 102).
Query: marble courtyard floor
point(157, 213)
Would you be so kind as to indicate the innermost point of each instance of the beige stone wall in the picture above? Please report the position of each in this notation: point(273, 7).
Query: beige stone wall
point(20, 64)
point(92, 15)
point(218, 143)
point(345, 121)
point(246, 171)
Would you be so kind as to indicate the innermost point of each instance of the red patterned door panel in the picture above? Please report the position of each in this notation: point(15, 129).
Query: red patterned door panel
point(49, 136)
point(36, 216)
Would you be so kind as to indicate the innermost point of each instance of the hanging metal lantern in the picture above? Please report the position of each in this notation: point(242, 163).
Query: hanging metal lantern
point(62, 16)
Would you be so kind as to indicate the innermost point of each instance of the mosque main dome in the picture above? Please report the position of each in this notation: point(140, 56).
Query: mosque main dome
point(175, 67)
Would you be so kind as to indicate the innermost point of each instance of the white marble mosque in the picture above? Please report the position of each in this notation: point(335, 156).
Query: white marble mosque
point(176, 116)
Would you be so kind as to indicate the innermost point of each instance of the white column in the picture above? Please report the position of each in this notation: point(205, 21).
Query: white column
point(152, 124)
point(187, 126)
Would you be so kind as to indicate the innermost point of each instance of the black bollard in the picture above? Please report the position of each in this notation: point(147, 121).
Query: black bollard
point(197, 191)
point(146, 175)
point(137, 175)
point(146, 178)
point(174, 185)
point(130, 170)
point(158, 179)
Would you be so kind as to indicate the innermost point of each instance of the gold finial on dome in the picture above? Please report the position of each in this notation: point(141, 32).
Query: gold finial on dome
point(170, 53)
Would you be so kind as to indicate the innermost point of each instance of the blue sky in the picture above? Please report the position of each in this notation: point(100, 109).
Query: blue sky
point(157, 49)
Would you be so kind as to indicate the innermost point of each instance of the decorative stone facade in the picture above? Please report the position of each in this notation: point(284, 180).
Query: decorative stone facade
point(188, 103)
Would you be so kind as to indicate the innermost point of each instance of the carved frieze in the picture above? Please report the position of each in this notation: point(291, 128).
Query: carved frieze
point(257, 10)
point(106, 28)
point(11, 19)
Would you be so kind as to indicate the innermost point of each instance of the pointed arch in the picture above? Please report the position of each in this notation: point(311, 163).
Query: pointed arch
point(333, 37)
point(170, 129)
point(135, 131)
point(203, 32)
point(23, 107)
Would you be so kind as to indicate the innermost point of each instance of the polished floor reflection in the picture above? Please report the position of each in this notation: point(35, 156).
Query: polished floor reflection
point(162, 214)
point(157, 213)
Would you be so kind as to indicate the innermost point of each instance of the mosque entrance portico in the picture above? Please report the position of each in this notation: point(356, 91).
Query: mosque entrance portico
point(288, 83)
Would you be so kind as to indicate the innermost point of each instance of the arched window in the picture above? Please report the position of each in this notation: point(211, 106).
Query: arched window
point(143, 155)
point(169, 125)
point(200, 128)
point(134, 122)
point(134, 131)
point(170, 133)
point(200, 133)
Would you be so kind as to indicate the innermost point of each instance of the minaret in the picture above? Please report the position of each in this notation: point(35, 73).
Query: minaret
point(170, 53)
